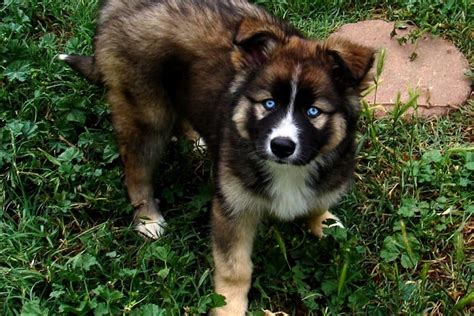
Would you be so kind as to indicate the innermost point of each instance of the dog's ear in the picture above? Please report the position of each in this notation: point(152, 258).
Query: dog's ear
point(350, 63)
point(255, 41)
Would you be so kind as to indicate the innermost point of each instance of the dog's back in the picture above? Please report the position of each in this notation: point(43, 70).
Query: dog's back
point(178, 51)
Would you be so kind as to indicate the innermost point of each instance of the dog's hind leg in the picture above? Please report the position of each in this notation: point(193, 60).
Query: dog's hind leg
point(142, 131)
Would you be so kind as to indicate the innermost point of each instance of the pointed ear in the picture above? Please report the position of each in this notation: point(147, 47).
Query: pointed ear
point(255, 41)
point(350, 63)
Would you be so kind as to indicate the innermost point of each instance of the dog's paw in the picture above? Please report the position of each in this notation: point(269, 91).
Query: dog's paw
point(152, 229)
point(317, 223)
point(266, 312)
point(63, 56)
point(199, 145)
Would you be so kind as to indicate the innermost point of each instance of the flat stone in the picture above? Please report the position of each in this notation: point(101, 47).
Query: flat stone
point(436, 73)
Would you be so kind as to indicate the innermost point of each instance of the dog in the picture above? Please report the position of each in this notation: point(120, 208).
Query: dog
point(277, 111)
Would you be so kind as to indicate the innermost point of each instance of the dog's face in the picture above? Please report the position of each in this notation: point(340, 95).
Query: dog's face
point(302, 99)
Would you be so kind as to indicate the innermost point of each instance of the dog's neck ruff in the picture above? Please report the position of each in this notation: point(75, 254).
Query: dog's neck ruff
point(289, 189)
point(289, 192)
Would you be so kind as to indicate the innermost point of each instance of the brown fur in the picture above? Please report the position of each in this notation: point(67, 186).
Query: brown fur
point(210, 65)
point(232, 248)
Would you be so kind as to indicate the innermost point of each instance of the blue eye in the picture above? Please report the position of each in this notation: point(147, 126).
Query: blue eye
point(269, 104)
point(312, 112)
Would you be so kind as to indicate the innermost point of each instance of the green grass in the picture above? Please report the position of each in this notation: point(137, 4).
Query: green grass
point(65, 241)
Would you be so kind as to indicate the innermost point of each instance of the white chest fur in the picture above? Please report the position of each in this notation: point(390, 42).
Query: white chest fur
point(290, 194)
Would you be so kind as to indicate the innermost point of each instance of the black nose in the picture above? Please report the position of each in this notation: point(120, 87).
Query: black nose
point(282, 147)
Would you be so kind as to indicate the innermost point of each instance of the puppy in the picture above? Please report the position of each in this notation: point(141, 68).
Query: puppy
point(277, 111)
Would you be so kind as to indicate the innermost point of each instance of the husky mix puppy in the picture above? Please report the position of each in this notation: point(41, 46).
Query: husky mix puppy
point(277, 111)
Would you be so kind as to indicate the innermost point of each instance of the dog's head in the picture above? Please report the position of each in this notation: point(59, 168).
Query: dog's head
point(297, 98)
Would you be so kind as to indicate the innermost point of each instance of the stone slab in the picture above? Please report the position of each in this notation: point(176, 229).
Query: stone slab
point(437, 72)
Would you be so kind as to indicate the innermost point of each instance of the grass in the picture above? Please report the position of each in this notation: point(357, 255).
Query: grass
point(66, 246)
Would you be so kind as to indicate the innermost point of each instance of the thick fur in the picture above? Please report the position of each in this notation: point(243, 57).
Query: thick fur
point(214, 65)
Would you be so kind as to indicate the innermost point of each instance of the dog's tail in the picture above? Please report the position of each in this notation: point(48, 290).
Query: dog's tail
point(85, 65)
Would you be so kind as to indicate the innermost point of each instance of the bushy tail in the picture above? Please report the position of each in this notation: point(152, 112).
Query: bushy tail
point(84, 65)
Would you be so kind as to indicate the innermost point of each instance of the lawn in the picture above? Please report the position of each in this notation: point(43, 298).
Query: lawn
point(66, 244)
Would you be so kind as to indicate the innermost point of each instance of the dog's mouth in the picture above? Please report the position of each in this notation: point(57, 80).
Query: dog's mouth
point(280, 161)
point(295, 160)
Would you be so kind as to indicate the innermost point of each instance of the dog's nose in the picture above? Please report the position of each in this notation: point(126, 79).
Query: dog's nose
point(282, 147)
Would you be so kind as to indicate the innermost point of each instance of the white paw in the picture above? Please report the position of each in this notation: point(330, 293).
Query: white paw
point(199, 144)
point(152, 229)
point(270, 313)
point(63, 56)
point(337, 223)
point(317, 224)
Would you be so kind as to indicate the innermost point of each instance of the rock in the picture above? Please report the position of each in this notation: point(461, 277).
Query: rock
point(433, 67)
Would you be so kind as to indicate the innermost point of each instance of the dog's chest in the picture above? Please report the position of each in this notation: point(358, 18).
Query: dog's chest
point(290, 192)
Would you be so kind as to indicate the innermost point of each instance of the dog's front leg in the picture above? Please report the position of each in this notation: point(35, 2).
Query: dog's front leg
point(317, 222)
point(232, 241)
